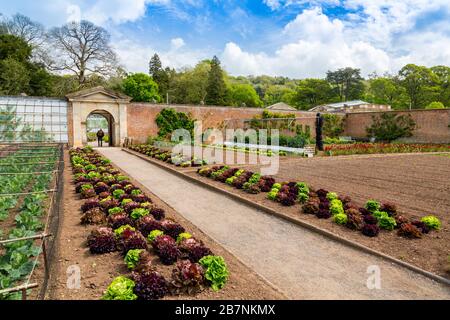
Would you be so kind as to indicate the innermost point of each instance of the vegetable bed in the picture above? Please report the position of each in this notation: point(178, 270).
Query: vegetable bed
point(178, 160)
point(25, 175)
point(131, 224)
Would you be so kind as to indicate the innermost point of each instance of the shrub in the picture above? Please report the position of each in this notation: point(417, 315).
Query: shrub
point(370, 230)
point(216, 271)
point(391, 126)
point(340, 218)
point(139, 213)
point(150, 285)
point(187, 277)
point(154, 234)
point(372, 205)
point(121, 288)
point(408, 230)
point(333, 125)
point(132, 258)
point(431, 222)
point(101, 240)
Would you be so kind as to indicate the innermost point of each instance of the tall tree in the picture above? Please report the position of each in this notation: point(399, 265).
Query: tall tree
point(420, 85)
point(242, 95)
point(279, 93)
point(313, 92)
point(347, 82)
point(141, 88)
point(32, 32)
point(216, 88)
point(386, 90)
point(160, 75)
point(82, 48)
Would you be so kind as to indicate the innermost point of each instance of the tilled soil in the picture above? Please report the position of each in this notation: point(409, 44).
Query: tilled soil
point(418, 184)
point(97, 271)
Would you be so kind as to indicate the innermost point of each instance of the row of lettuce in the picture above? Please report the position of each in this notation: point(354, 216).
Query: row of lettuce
point(178, 160)
point(18, 176)
point(133, 225)
point(369, 219)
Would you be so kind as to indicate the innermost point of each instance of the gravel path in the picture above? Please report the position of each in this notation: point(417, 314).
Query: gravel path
point(301, 263)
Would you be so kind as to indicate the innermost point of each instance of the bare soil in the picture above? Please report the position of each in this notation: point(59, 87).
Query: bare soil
point(97, 271)
point(419, 185)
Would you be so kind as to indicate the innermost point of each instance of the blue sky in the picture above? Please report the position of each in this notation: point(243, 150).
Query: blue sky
point(294, 38)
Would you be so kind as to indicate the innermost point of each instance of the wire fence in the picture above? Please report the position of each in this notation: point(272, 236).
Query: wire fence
point(47, 236)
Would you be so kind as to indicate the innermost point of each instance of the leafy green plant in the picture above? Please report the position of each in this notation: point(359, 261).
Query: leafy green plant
point(390, 126)
point(387, 223)
point(121, 288)
point(139, 213)
point(182, 236)
point(132, 258)
point(118, 232)
point(340, 218)
point(216, 271)
point(431, 222)
point(154, 234)
point(372, 205)
point(332, 196)
point(118, 193)
point(336, 207)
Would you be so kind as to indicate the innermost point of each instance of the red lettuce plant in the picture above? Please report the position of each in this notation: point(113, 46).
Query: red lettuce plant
point(94, 216)
point(408, 230)
point(115, 187)
point(369, 219)
point(149, 285)
point(323, 214)
point(390, 208)
point(399, 219)
point(194, 249)
point(322, 193)
point(421, 226)
point(187, 277)
point(88, 193)
point(90, 204)
point(311, 206)
point(370, 230)
point(103, 195)
point(147, 224)
point(172, 228)
point(168, 253)
point(157, 213)
point(115, 221)
point(140, 198)
point(131, 239)
point(355, 220)
point(102, 240)
point(286, 199)
point(109, 203)
point(130, 206)
point(162, 240)
point(101, 187)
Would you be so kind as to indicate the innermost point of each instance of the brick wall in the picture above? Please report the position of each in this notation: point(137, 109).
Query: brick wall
point(432, 126)
point(141, 117)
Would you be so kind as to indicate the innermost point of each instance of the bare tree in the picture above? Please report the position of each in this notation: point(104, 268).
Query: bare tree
point(82, 48)
point(22, 26)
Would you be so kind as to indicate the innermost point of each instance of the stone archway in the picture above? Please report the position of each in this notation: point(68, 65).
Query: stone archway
point(95, 121)
point(85, 102)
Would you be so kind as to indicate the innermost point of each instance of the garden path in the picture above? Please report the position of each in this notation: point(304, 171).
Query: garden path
point(299, 262)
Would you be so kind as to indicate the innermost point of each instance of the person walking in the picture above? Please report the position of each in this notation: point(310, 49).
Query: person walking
point(100, 135)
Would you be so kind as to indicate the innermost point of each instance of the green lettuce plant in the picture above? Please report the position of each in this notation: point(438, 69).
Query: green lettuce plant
point(121, 288)
point(132, 258)
point(118, 232)
point(372, 205)
point(431, 222)
point(182, 236)
point(336, 207)
point(331, 196)
point(139, 213)
point(216, 271)
point(387, 223)
point(154, 234)
point(340, 218)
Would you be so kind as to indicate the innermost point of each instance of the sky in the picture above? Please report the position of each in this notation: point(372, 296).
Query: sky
point(293, 38)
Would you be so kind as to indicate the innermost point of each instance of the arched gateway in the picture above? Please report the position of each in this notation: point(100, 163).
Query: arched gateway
point(97, 100)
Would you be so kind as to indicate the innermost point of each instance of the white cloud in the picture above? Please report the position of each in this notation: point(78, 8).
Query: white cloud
point(135, 55)
point(73, 13)
point(378, 35)
point(177, 43)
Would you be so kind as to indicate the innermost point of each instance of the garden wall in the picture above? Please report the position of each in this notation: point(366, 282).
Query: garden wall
point(141, 117)
point(432, 126)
